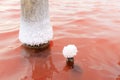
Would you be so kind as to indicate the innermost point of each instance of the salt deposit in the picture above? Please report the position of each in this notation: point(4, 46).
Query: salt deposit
point(70, 51)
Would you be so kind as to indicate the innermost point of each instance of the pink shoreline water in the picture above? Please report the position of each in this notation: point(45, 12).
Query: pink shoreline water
point(93, 26)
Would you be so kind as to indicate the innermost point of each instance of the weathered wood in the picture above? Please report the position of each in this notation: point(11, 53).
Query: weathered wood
point(34, 10)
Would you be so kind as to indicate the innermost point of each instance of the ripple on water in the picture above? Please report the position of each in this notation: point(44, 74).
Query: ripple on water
point(9, 15)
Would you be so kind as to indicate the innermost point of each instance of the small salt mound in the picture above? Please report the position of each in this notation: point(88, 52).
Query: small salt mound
point(70, 51)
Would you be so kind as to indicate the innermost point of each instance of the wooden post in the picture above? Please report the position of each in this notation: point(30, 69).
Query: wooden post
point(35, 28)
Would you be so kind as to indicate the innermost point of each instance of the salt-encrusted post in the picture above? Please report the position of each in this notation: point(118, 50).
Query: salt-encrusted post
point(69, 52)
point(35, 29)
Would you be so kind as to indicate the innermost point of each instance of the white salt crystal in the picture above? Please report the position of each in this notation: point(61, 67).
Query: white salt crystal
point(70, 51)
point(35, 33)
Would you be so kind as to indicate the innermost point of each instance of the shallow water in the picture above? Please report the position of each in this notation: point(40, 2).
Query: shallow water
point(92, 25)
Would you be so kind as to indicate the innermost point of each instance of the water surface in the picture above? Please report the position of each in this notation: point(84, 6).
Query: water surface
point(92, 25)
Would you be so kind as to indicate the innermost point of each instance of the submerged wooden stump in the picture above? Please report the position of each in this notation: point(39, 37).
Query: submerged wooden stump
point(35, 29)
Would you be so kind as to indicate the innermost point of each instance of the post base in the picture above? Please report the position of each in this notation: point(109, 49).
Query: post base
point(70, 62)
point(40, 46)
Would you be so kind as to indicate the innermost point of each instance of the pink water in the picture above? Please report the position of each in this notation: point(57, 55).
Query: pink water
point(92, 25)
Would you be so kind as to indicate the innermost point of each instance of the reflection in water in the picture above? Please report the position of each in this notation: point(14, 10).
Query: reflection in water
point(44, 67)
point(75, 68)
point(118, 78)
point(74, 73)
point(118, 63)
point(42, 64)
